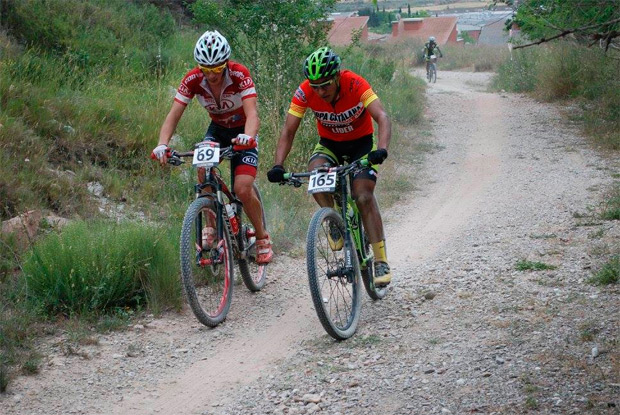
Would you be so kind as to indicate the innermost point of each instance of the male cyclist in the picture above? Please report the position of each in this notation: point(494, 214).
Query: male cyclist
point(344, 105)
point(226, 90)
point(431, 48)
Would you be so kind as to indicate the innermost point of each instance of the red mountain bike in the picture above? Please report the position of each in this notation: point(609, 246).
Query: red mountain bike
point(215, 234)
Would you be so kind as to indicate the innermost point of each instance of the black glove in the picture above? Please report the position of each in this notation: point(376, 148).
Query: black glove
point(276, 174)
point(377, 156)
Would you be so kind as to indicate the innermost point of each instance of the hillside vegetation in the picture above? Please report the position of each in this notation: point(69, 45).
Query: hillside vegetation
point(84, 88)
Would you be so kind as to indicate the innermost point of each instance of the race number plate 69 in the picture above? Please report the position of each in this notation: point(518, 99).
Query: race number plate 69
point(206, 154)
point(322, 182)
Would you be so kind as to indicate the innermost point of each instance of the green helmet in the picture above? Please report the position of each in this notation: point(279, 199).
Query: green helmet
point(321, 63)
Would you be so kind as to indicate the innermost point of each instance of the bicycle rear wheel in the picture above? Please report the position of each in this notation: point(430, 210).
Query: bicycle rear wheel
point(206, 266)
point(254, 275)
point(368, 270)
point(335, 289)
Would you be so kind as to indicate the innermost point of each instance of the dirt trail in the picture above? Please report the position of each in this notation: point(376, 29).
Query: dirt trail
point(502, 185)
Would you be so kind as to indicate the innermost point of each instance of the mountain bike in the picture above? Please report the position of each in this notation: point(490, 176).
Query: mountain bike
point(431, 69)
point(334, 270)
point(215, 235)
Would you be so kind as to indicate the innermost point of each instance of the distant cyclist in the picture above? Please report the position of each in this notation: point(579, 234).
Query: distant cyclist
point(345, 106)
point(226, 90)
point(431, 48)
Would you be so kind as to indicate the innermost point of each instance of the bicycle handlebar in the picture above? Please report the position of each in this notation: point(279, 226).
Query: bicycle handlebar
point(294, 179)
point(176, 157)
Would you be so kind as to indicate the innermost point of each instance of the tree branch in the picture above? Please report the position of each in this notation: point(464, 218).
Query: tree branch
point(608, 35)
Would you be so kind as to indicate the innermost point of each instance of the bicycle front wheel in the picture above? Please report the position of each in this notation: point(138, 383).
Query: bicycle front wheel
point(433, 75)
point(206, 263)
point(334, 285)
point(254, 275)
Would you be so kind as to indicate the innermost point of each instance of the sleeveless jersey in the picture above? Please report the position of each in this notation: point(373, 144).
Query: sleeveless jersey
point(237, 86)
point(348, 119)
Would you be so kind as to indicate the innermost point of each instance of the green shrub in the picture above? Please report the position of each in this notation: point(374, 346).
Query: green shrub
point(480, 58)
point(98, 266)
point(608, 274)
point(519, 73)
point(525, 265)
point(563, 70)
point(611, 208)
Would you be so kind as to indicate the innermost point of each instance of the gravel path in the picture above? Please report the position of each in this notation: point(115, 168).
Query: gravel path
point(462, 330)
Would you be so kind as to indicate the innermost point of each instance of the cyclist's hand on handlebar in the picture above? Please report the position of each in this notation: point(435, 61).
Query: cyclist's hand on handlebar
point(377, 156)
point(276, 174)
point(244, 142)
point(161, 153)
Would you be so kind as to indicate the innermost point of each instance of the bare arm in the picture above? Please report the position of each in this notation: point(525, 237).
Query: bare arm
point(286, 138)
point(252, 122)
point(378, 114)
point(171, 122)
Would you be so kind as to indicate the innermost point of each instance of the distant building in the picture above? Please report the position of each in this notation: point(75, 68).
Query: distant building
point(343, 28)
point(443, 28)
point(494, 33)
point(471, 30)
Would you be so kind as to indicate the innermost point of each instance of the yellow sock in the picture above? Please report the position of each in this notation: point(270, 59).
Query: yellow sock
point(378, 248)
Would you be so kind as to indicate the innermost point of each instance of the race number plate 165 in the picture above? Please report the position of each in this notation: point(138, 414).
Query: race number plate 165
point(322, 182)
point(206, 154)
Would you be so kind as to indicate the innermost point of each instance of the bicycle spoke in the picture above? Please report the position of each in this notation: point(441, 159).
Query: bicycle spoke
point(334, 292)
point(206, 263)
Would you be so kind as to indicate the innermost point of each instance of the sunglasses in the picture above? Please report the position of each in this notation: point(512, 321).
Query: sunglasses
point(218, 69)
point(322, 84)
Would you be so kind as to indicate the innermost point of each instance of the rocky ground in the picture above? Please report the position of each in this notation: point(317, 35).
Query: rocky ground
point(462, 330)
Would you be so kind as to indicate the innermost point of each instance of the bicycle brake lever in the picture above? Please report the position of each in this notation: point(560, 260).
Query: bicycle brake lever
point(175, 161)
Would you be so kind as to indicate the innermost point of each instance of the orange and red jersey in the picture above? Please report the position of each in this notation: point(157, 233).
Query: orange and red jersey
point(238, 85)
point(348, 119)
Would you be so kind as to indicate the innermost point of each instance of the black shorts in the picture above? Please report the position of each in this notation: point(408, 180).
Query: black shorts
point(245, 162)
point(341, 152)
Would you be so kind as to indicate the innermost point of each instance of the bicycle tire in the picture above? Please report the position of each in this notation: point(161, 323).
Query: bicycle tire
point(433, 73)
point(368, 273)
point(254, 275)
point(336, 298)
point(208, 288)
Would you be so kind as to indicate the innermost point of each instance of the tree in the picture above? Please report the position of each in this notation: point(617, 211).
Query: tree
point(272, 37)
point(584, 21)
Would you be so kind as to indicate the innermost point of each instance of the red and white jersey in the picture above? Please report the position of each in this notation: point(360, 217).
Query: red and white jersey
point(237, 86)
point(348, 119)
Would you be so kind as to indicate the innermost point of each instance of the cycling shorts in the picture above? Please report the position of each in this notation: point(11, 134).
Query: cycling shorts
point(245, 162)
point(340, 152)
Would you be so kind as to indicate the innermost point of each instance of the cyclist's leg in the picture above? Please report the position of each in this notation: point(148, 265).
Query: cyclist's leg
point(320, 156)
point(245, 166)
point(363, 193)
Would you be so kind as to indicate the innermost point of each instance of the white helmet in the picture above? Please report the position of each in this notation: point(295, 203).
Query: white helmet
point(212, 49)
point(431, 39)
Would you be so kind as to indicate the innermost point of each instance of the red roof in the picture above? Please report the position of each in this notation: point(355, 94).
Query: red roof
point(343, 27)
point(443, 28)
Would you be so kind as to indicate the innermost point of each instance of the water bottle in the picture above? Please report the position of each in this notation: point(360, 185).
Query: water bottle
point(234, 224)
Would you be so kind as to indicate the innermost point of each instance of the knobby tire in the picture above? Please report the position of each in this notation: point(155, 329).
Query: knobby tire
point(337, 300)
point(368, 273)
point(208, 288)
point(254, 275)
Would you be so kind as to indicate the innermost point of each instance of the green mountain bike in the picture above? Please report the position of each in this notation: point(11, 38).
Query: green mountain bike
point(338, 253)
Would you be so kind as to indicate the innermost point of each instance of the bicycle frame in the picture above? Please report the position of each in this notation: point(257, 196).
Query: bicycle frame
point(348, 209)
point(221, 195)
point(352, 218)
